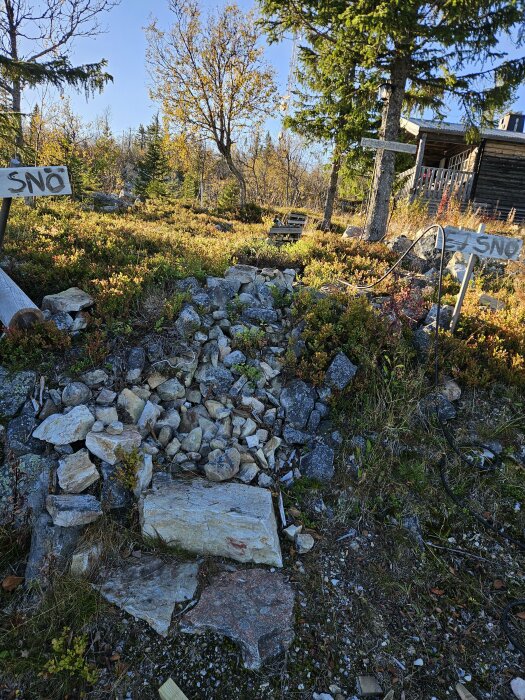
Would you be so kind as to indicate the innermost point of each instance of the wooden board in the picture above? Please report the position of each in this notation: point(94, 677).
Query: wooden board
point(484, 245)
point(171, 691)
point(463, 693)
point(16, 308)
point(389, 145)
point(34, 182)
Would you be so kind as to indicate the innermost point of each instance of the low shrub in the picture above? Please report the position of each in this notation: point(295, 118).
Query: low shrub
point(27, 349)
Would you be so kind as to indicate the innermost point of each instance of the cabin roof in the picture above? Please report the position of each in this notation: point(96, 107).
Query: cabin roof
point(417, 126)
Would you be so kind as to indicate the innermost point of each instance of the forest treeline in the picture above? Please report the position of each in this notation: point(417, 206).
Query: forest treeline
point(152, 161)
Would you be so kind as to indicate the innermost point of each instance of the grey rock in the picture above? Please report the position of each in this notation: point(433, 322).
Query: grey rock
point(319, 463)
point(231, 520)
point(24, 487)
point(171, 418)
point(75, 394)
point(81, 321)
point(234, 358)
point(296, 437)
point(48, 409)
point(340, 372)
point(70, 300)
point(110, 447)
point(76, 472)
point(369, 687)
point(192, 441)
point(253, 607)
point(314, 420)
point(95, 378)
point(243, 273)
point(423, 339)
point(222, 465)
point(51, 547)
point(265, 481)
point(130, 406)
point(450, 390)
point(71, 511)
point(15, 389)
point(65, 428)
point(143, 475)
point(106, 414)
point(304, 542)
point(189, 284)
point(457, 266)
point(136, 358)
point(258, 314)
point(172, 448)
point(298, 400)
point(149, 589)
point(248, 472)
point(188, 322)
point(216, 379)
point(221, 291)
point(149, 416)
point(114, 496)
point(85, 558)
point(171, 390)
point(106, 397)
point(63, 321)
point(445, 315)
point(18, 436)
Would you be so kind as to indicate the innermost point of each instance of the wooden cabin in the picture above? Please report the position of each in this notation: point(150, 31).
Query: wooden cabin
point(489, 174)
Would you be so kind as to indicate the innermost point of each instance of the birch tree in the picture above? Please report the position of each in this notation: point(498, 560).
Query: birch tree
point(210, 76)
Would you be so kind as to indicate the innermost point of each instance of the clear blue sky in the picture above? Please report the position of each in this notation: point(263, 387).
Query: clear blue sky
point(124, 46)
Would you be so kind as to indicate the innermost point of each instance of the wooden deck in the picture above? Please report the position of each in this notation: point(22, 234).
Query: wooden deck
point(431, 184)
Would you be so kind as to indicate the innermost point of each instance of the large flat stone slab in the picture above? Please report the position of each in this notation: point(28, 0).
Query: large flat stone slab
point(150, 588)
point(226, 520)
point(64, 428)
point(253, 607)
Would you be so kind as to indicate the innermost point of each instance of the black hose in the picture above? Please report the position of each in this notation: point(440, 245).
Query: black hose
point(460, 502)
point(488, 524)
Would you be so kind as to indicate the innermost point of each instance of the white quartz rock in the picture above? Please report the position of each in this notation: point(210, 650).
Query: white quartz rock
point(230, 520)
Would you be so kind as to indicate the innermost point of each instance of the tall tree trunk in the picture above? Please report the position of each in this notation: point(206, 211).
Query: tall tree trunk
point(378, 208)
point(16, 87)
point(235, 171)
point(331, 194)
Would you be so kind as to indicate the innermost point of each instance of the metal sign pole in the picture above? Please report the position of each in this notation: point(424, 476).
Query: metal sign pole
point(464, 286)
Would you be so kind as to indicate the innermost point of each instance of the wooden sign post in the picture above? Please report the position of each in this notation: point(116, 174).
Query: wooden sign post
point(397, 146)
point(16, 308)
point(18, 181)
point(476, 244)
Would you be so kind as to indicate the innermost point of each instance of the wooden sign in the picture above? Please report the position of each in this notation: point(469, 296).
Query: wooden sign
point(34, 182)
point(377, 144)
point(484, 245)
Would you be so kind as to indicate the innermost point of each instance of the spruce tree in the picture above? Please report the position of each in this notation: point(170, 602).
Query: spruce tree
point(331, 108)
point(423, 54)
point(153, 169)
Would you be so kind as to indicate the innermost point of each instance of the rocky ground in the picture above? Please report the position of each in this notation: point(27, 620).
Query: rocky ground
point(194, 484)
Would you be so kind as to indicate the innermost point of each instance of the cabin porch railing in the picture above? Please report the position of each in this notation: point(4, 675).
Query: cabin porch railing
point(432, 183)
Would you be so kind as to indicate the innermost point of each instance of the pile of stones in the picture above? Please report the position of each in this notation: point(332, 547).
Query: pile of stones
point(199, 426)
